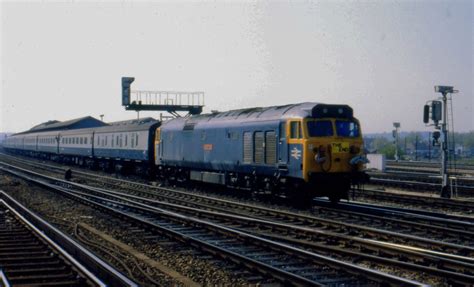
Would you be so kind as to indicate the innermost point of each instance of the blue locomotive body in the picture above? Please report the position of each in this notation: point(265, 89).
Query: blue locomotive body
point(205, 145)
point(269, 149)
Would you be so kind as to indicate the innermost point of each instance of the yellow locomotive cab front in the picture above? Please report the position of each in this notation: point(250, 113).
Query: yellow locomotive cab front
point(333, 155)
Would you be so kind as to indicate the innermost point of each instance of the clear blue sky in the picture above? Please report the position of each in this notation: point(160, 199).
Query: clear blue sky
point(64, 60)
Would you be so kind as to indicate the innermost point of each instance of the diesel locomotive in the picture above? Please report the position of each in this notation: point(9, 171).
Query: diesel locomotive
point(299, 150)
point(302, 150)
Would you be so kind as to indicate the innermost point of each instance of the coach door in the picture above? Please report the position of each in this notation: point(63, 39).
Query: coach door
point(58, 140)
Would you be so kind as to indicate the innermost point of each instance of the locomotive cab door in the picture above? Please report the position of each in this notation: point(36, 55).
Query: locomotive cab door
point(282, 145)
point(295, 147)
point(158, 146)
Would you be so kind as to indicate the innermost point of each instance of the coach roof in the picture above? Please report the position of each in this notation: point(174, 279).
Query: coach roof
point(79, 123)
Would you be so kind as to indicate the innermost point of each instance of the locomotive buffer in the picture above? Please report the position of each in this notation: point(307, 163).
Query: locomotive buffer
point(169, 101)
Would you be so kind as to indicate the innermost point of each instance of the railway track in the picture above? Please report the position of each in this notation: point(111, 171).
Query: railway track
point(420, 182)
point(319, 236)
point(430, 202)
point(422, 202)
point(34, 253)
point(286, 263)
point(465, 168)
point(399, 212)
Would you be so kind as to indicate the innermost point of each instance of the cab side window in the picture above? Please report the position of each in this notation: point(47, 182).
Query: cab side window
point(295, 130)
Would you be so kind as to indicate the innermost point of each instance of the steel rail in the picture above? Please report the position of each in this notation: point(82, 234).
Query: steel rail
point(453, 204)
point(114, 206)
point(426, 242)
point(445, 229)
point(103, 179)
point(424, 254)
point(398, 212)
point(73, 253)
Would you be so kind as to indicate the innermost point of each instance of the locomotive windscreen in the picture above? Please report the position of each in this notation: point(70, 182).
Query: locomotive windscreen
point(332, 111)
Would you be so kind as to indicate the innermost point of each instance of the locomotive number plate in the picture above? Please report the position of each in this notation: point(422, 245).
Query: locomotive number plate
point(340, 147)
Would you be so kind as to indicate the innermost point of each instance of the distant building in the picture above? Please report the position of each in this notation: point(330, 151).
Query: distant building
point(79, 123)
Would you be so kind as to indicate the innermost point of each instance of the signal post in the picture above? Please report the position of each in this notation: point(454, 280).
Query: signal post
point(439, 112)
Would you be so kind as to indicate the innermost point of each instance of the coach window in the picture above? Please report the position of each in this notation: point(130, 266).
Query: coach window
point(85, 140)
point(126, 140)
point(295, 130)
point(80, 140)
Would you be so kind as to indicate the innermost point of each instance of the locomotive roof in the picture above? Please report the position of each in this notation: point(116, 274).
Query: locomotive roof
point(300, 110)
